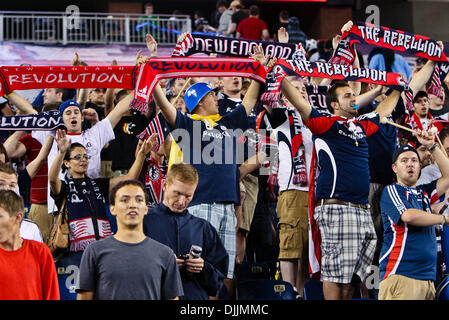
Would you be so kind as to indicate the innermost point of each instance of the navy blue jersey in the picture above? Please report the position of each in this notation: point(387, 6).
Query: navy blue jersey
point(342, 152)
point(213, 152)
point(382, 144)
point(407, 250)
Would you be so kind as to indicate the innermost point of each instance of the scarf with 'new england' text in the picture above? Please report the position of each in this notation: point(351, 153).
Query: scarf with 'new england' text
point(232, 47)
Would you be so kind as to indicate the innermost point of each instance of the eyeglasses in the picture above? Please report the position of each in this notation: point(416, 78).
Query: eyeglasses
point(78, 157)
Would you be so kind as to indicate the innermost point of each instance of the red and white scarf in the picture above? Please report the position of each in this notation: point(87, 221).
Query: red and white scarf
point(149, 74)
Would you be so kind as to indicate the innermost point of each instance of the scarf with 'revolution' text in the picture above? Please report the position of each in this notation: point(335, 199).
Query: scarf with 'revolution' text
point(149, 74)
point(142, 78)
point(304, 68)
point(72, 77)
point(44, 121)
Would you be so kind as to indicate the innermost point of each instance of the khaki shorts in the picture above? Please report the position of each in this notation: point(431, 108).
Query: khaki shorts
point(249, 185)
point(39, 214)
point(397, 287)
point(292, 210)
point(106, 169)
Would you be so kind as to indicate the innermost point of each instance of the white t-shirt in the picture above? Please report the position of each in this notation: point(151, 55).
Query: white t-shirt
point(30, 231)
point(93, 139)
point(428, 174)
point(285, 157)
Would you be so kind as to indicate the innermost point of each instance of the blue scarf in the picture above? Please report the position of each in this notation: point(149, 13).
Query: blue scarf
point(88, 221)
point(43, 121)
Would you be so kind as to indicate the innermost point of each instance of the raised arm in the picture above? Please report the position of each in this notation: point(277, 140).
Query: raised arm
point(21, 103)
point(14, 148)
point(82, 93)
point(297, 100)
point(34, 166)
point(427, 139)
point(123, 106)
point(252, 94)
point(386, 107)
point(109, 96)
point(151, 45)
point(136, 168)
point(53, 174)
point(365, 98)
point(419, 79)
point(109, 101)
point(167, 109)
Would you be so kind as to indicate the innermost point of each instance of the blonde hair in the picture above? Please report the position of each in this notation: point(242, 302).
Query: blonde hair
point(183, 172)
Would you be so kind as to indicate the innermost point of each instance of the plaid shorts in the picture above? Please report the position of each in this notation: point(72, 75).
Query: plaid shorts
point(222, 217)
point(348, 242)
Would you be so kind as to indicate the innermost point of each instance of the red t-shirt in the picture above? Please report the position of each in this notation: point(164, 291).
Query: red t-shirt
point(38, 193)
point(28, 273)
point(251, 28)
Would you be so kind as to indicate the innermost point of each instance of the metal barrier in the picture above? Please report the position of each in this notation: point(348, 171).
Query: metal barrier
point(90, 28)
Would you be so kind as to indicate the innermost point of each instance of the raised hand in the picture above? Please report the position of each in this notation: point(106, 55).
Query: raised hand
point(347, 26)
point(151, 45)
point(426, 138)
point(62, 141)
point(182, 37)
point(336, 41)
point(259, 55)
point(146, 146)
point(76, 60)
point(90, 115)
point(141, 58)
point(282, 35)
point(272, 62)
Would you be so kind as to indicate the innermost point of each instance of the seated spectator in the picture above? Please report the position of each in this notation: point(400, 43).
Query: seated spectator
point(27, 269)
point(201, 24)
point(171, 224)
point(152, 23)
point(128, 265)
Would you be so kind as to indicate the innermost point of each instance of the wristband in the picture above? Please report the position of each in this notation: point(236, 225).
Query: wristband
point(432, 148)
point(444, 220)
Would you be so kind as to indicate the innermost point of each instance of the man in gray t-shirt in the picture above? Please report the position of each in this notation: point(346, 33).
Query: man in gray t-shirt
point(128, 265)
